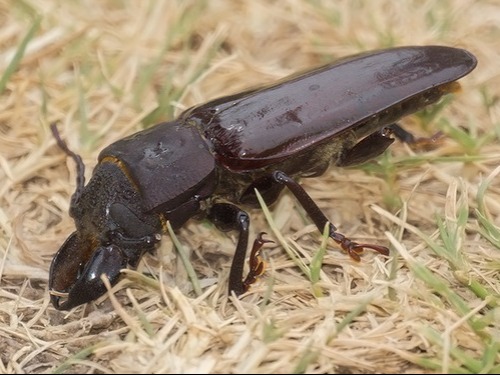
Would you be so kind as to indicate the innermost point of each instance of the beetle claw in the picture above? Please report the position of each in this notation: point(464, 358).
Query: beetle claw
point(354, 248)
point(256, 263)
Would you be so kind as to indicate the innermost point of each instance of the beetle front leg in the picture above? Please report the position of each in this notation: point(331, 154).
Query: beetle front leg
point(317, 216)
point(255, 262)
point(230, 217)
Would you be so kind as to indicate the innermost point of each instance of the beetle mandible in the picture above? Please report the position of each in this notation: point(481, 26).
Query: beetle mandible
point(208, 161)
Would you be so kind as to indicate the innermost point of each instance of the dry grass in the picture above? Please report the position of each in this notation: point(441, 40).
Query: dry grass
point(104, 69)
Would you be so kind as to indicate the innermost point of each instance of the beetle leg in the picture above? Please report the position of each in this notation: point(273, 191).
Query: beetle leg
point(368, 148)
point(317, 216)
point(376, 143)
point(230, 217)
point(405, 136)
point(255, 262)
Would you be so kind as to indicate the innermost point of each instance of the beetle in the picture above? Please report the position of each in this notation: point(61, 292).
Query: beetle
point(208, 162)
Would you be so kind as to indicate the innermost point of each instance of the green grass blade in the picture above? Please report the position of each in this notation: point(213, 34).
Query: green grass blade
point(18, 56)
point(185, 260)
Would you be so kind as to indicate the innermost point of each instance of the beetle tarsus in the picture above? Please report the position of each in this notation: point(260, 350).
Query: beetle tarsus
point(354, 248)
point(255, 262)
point(419, 143)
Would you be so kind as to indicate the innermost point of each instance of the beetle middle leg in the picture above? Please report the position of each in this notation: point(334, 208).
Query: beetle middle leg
point(377, 142)
point(368, 148)
point(227, 217)
point(416, 142)
point(319, 218)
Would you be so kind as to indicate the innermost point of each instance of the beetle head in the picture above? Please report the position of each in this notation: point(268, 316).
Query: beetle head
point(112, 232)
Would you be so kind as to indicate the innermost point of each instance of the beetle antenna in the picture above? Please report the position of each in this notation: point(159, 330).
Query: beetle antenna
point(80, 167)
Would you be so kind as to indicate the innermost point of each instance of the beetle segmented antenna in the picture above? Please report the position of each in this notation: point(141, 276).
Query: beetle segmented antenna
point(80, 167)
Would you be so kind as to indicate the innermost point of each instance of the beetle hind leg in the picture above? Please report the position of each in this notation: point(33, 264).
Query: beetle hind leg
point(319, 218)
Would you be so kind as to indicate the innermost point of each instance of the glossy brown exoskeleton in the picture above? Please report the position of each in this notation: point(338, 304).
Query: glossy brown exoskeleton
point(208, 161)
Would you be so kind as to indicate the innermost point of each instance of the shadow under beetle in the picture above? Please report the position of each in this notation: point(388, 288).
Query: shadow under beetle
point(208, 161)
